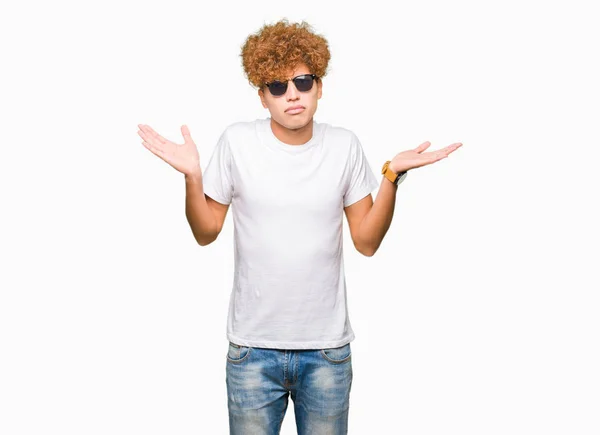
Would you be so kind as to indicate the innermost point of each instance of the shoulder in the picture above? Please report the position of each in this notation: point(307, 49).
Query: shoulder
point(240, 131)
point(341, 137)
point(337, 132)
point(240, 128)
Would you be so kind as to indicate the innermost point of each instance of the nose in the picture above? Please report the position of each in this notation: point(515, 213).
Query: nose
point(292, 93)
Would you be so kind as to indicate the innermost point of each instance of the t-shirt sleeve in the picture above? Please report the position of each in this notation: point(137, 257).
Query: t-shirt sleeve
point(216, 178)
point(362, 179)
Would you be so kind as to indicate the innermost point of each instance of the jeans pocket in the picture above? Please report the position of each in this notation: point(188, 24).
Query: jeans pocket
point(337, 355)
point(237, 353)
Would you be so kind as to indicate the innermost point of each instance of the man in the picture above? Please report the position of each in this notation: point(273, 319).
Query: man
point(290, 179)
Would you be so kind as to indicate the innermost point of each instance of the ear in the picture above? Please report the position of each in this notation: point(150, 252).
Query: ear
point(261, 94)
point(319, 89)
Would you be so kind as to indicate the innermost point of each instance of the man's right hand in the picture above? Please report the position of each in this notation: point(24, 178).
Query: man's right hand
point(184, 158)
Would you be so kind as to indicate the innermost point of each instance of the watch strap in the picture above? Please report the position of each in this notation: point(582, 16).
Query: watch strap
point(392, 176)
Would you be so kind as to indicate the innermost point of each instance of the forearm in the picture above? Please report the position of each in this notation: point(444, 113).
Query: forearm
point(377, 221)
point(199, 215)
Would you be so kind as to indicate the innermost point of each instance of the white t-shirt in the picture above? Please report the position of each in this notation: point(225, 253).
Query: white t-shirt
point(289, 286)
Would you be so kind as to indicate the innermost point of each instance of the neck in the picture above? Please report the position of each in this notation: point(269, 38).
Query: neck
point(298, 136)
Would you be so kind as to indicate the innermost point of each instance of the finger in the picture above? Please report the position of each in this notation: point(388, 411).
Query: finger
point(151, 140)
point(422, 147)
point(436, 156)
point(145, 133)
point(154, 134)
point(185, 131)
point(454, 147)
point(433, 156)
point(451, 148)
point(156, 151)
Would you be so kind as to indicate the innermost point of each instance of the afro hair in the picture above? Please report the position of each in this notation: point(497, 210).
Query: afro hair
point(276, 48)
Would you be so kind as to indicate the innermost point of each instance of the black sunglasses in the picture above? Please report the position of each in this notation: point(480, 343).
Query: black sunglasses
point(303, 83)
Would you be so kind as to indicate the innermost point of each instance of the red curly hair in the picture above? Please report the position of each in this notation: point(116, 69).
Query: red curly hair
point(268, 54)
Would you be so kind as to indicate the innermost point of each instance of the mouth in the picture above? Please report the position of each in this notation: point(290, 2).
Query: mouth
point(295, 111)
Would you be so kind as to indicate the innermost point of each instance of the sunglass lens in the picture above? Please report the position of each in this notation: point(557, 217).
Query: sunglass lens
point(304, 83)
point(278, 88)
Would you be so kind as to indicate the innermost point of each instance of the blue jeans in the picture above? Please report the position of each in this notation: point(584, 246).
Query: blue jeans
point(260, 380)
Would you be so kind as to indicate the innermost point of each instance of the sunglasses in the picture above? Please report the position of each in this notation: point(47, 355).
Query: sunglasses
point(303, 83)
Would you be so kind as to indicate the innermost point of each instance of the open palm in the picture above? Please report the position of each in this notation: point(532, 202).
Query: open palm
point(415, 158)
point(184, 158)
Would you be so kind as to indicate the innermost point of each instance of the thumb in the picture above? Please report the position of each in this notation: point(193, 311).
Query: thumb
point(422, 147)
point(186, 133)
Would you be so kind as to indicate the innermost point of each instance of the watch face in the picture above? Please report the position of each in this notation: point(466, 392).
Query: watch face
point(400, 177)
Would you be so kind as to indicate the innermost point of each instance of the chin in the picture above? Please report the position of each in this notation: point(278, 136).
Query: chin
point(297, 121)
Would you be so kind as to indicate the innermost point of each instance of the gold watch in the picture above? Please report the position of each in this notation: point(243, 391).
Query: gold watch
point(391, 175)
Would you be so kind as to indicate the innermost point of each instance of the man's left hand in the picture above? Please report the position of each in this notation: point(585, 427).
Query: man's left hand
point(415, 158)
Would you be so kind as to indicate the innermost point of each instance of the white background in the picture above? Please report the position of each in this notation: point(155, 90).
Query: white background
point(478, 314)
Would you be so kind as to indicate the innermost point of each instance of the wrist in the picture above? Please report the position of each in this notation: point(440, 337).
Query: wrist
point(392, 174)
point(395, 169)
point(194, 176)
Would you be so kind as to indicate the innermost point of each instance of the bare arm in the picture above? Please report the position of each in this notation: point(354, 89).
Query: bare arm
point(377, 220)
point(200, 216)
point(368, 221)
point(205, 215)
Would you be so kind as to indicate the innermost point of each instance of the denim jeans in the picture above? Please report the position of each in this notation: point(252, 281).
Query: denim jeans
point(259, 381)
